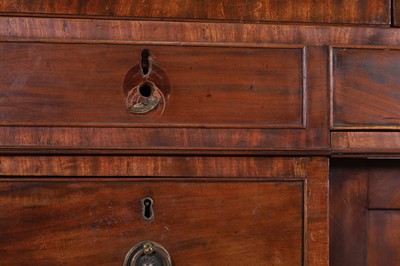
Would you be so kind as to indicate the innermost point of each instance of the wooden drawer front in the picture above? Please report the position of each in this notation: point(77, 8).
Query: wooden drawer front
point(366, 88)
point(213, 223)
point(331, 11)
point(82, 84)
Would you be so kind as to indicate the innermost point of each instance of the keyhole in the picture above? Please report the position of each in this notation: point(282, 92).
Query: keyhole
point(145, 63)
point(148, 213)
point(146, 89)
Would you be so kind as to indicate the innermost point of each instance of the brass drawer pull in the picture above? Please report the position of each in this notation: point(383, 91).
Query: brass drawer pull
point(148, 253)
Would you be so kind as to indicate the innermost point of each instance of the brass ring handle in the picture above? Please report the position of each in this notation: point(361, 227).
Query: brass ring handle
point(147, 253)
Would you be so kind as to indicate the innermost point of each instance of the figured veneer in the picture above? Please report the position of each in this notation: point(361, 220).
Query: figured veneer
point(201, 222)
point(366, 88)
point(364, 212)
point(81, 84)
point(331, 11)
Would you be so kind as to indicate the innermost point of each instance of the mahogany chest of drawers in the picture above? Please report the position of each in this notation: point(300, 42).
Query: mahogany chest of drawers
point(141, 133)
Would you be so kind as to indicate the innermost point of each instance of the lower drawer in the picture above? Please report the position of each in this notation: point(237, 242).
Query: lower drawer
point(96, 222)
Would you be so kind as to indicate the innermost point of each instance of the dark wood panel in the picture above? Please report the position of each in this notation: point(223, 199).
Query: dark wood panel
point(396, 13)
point(367, 143)
point(78, 84)
point(213, 223)
point(235, 34)
point(154, 166)
point(317, 89)
point(384, 184)
point(366, 85)
point(383, 238)
point(348, 202)
point(331, 11)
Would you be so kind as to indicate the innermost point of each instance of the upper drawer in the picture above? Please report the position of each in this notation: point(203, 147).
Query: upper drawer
point(329, 11)
point(366, 88)
point(98, 84)
point(223, 97)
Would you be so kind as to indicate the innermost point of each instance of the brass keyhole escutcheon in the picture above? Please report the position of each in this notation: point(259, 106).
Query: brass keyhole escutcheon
point(148, 253)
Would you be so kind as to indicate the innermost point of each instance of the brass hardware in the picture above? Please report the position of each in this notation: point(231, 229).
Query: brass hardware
point(145, 98)
point(147, 248)
point(146, 87)
point(148, 253)
point(146, 106)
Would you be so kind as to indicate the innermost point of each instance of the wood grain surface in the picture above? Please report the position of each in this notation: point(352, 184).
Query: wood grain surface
point(56, 86)
point(234, 34)
point(348, 215)
point(331, 11)
point(212, 223)
point(396, 13)
point(317, 211)
point(81, 84)
point(383, 237)
point(42, 91)
point(384, 184)
point(366, 88)
point(278, 168)
point(154, 140)
point(379, 143)
point(78, 164)
point(364, 212)
point(317, 88)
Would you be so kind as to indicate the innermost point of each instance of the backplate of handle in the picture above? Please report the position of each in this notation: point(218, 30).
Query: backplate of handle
point(147, 253)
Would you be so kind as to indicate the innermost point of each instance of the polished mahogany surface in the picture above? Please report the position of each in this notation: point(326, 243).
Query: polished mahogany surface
point(215, 222)
point(365, 88)
point(229, 115)
point(364, 212)
point(355, 12)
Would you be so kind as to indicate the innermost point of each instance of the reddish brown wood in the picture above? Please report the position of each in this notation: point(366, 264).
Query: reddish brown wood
point(367, 143)
point(213, 223)
point(357, 11)
point(383, 238)
point(234, 34)
point(80, 84)
point(316, 197)
point(366, 84)
point(361, 231)
point(154, 166)
point(317, 90)
point(348, 202)
point(384, 184)
point(44, 85)
point(396, 13)
point(152, 140)
point(53, 101)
